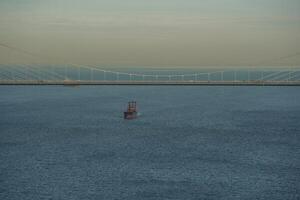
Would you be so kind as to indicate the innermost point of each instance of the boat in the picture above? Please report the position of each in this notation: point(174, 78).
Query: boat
point(131, 112)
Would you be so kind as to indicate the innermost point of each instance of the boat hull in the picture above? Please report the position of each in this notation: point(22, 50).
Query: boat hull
point(130, 115)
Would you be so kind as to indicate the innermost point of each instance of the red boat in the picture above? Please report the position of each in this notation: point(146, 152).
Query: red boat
point(131, 112)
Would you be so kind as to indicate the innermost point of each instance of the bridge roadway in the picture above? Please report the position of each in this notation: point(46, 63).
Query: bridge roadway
point(119, 82)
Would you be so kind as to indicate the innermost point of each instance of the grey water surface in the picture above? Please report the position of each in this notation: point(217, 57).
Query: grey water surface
point(189, 142)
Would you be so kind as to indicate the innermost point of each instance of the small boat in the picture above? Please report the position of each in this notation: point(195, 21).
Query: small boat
point(131, 112)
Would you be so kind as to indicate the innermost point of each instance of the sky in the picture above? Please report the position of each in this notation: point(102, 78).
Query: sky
point(157, 33)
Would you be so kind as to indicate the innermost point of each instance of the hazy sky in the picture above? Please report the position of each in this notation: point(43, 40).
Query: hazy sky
point(152, 32)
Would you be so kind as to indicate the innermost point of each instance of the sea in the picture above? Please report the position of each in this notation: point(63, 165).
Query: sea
point(188, 142)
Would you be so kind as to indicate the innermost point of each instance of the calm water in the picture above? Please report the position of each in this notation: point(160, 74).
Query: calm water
point(188, 143)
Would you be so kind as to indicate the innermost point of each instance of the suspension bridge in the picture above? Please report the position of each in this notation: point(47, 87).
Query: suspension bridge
point(74, 74)
point(95, 75)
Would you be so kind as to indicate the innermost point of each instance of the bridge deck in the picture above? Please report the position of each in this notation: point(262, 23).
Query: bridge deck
point(195, 83)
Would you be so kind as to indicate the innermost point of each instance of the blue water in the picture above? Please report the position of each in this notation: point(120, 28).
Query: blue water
point(188, 143)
